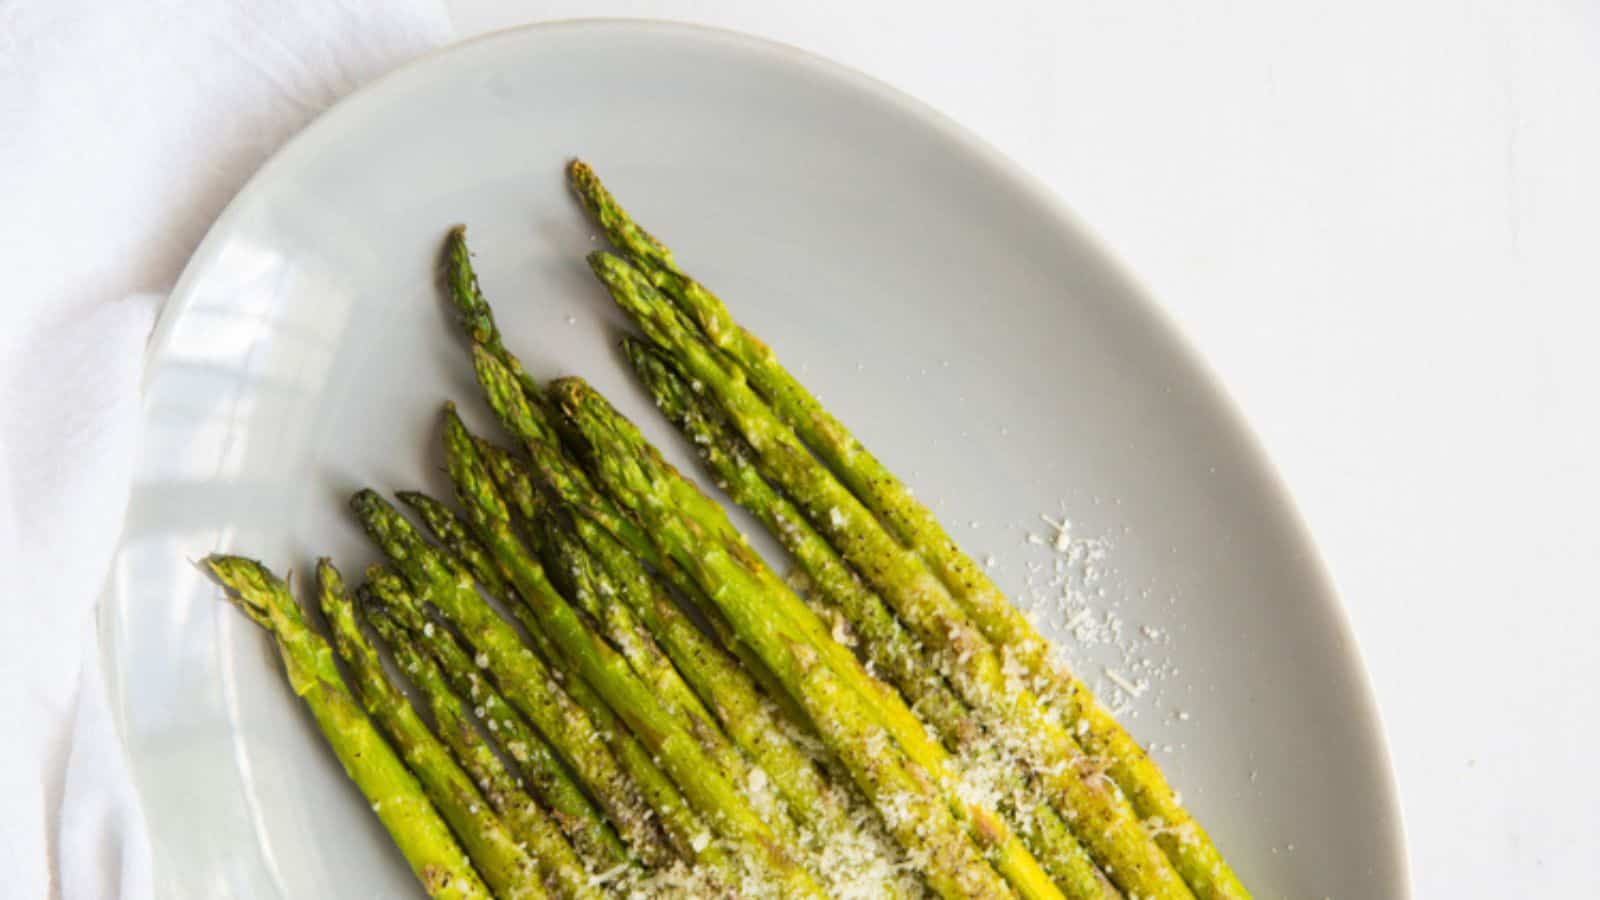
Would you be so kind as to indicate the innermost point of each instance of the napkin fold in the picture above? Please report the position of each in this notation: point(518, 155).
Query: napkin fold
point(124, 130)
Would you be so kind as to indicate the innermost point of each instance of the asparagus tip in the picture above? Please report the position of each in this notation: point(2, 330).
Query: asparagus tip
point(563, 393)
point(454, 428)
point(645, 357)
point(581, 176)
point(364, 499)
point(328, 576)
point(607, 266)
point(633, 348)
point(241, 580)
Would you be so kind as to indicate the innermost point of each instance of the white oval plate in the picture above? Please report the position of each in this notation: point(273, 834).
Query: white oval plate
point(937, 298)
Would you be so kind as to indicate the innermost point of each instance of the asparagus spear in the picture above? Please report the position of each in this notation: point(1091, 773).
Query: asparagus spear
point(527, 419)
point(1100, 815)
point(1192, 851)
point(597, 594)
point(810, 800)
point(473, 313)
point(433, 854)
point(548, 781)
point(557, 863)
point(749, 718)
point(679, 824)
point(696, 772)
point(849, 853)
point(509, 871)
point(715, 677)
point(896, 653)
point(476, 318)
point(891, 649)
point(1064, 858)
point(853, 712)
point(516, 485)
point(571, 486)
point(521, 675)
point(558, 472)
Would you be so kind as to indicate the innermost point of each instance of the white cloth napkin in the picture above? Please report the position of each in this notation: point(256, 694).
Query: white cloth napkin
point(124, 129)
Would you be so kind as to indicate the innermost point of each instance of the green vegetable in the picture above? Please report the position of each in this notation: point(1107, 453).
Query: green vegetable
point(399, 801)
point(556, 471)
point(715, 677)
point(595, 592)
point(558, 864)
point(521, 675)
point(896, 654)
point(676, 750)
point(509, 871)
point(853, 712)
point(536, 761)
point(910, 521)
point(747, 716)
point(680, 826)
point(1099, 815)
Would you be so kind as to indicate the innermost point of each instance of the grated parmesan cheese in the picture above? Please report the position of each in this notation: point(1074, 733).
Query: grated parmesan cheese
point(1121, 681)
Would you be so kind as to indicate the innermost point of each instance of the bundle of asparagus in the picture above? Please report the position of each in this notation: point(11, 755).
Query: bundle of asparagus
point(615, 695)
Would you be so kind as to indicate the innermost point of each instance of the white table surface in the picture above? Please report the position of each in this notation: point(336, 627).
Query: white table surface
point(1381, 226)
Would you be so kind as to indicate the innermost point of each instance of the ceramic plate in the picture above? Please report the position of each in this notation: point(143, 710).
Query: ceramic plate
point(940, 301)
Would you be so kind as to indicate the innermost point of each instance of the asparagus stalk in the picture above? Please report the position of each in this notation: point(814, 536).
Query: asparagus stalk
point(1100, 815)
point(800, 793)
point(917, 799)
point(691, 767)
point(566, 480)
point(528, 420)
point(535, 430)
point(571, 486)
point(715, 677)
point(848, 853)
point(596, 593)
point(558, 472)
point(1063, 857)
point(509, 871)
point(476, 318)
point(680, 826)
point(530, 509)
point(558, 864)
point(1192, 851)
point(473, 312)
point(548, 780)
point(749, 718)
point(521, 675)
point(434, 855)
point(894, 652)
point(1052, 841)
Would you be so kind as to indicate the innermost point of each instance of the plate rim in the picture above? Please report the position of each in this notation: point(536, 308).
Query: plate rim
point(182, 294)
